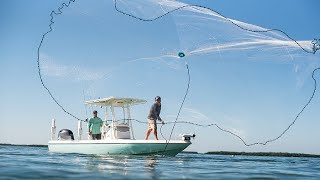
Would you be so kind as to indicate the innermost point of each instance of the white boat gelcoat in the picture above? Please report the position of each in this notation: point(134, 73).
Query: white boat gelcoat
point(117, 138)
point(119, 147)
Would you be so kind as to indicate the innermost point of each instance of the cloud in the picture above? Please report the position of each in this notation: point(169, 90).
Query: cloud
point(50, 67)
point(230, 122)
point(195, 116)
point(170, 60)
point(190, 114)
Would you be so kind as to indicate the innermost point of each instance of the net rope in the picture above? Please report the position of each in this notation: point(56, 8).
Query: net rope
point(315, 48)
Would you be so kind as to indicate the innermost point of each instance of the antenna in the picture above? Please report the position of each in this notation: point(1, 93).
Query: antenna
point(84, 99)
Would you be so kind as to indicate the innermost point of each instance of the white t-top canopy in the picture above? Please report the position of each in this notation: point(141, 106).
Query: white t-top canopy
point(115, 102)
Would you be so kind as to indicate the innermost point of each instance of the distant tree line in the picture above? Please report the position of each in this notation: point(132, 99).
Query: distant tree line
point(276, 154)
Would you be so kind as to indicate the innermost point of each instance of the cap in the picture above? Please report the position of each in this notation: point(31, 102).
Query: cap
point(157, 98)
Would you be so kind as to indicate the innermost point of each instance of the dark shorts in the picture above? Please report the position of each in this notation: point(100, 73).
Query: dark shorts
point(96, 136)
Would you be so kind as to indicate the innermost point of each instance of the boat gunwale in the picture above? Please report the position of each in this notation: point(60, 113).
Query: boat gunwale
point(110, 142)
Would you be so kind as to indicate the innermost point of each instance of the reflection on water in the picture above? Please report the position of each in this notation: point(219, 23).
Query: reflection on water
point(121, 165)
point(150, 162)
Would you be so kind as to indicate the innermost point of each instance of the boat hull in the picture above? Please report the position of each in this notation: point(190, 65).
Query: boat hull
point(119, 147)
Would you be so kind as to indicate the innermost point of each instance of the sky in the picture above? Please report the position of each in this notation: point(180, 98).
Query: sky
point(95, 52)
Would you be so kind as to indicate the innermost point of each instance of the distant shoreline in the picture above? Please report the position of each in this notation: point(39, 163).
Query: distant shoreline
point(231, 153)
point(273, 154)
point(31, 145)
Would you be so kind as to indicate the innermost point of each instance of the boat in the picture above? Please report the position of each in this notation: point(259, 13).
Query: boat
point(117, 135)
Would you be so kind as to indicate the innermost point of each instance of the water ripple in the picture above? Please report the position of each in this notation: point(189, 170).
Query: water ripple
point(24, 162)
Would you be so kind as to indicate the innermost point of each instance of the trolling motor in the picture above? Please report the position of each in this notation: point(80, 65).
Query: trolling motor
point(187, 137)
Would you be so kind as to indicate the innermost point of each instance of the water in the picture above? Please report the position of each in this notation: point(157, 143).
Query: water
point(17, 162)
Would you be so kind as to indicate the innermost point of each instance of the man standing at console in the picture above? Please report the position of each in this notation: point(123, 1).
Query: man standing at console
point(153, 116)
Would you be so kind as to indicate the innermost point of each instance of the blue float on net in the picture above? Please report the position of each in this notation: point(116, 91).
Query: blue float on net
point(181, 54)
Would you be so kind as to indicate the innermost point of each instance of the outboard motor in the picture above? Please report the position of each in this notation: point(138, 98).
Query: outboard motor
point(187, 137)
point(65, 134)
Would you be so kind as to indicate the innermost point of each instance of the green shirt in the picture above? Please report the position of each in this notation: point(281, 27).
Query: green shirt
point(94, 125)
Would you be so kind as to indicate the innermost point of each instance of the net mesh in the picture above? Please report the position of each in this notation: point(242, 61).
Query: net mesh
point(242, 76)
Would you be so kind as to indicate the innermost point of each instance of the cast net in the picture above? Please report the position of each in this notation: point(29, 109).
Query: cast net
point(248, 81)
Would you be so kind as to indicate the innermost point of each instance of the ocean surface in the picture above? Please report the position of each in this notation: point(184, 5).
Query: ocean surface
point(25, 162)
